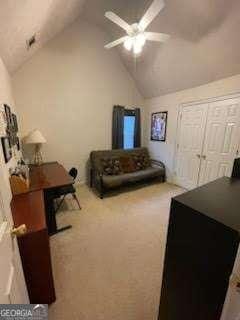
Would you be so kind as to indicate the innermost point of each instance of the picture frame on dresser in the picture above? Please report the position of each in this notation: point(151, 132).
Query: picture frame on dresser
point(6, 146)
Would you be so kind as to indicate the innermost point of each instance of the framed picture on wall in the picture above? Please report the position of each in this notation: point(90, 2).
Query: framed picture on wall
point(8, 116)
point(12, 138)
point(159, 126)
point(7, 151)
point(15, 123)
point(3, 121)
point(18, 143)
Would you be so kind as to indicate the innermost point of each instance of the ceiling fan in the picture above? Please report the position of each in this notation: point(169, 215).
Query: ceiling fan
point(136, 35)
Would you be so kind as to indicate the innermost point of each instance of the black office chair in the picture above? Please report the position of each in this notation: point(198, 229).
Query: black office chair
point(64, 191)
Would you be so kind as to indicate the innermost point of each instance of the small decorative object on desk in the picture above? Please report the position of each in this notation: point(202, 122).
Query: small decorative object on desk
point(19, 184)
point(19, 179)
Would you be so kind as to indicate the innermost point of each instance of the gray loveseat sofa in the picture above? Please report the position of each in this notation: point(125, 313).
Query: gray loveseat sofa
point(111, 169)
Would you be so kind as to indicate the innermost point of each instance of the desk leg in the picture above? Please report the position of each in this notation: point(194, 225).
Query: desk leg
point(50, 214)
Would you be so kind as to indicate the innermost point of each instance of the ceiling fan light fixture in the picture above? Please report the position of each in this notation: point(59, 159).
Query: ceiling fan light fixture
point(136, 34)
point(141, 39)
point(137, 49)
point(128, 44)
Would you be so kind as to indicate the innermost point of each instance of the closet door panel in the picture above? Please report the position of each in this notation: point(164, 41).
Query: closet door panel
point(190, 141)
point(221, 140)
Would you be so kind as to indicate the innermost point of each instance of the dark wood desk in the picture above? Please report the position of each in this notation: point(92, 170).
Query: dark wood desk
point(34, 246)
point(28, 209)
point(36, 210)
point(49, 177)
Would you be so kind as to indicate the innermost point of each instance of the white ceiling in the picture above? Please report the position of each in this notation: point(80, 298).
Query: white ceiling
point(204, 45)
point(20, 19)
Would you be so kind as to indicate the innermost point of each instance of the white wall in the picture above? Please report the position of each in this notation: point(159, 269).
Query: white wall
point(68, 89)
point(165, 150)
point(6, 97)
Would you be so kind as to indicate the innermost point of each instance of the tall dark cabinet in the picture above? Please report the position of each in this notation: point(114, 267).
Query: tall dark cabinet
point(202, 243)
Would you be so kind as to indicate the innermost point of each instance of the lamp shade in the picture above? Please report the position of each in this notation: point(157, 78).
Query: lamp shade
point(35, 137)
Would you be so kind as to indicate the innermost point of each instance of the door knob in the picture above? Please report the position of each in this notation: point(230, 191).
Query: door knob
point(19, 231)
point(198, 155)
point(204, 157)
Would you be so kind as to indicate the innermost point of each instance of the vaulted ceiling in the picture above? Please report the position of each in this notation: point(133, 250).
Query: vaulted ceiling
point(204, 44)
point(21, 19)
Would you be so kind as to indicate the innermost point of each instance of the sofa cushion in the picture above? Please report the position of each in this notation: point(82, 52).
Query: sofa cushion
point(111, 166)
point(116, 181)
point(141, 160)
point(127, 164)
point(97, 156)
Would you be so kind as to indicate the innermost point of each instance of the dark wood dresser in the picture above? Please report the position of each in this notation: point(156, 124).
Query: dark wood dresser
point(34, 246)
point(202, 243)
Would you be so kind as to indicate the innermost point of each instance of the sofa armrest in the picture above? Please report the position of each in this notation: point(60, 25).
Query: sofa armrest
point(96, 181)
point(97, 175)
point(157, 163)
point(161, 165)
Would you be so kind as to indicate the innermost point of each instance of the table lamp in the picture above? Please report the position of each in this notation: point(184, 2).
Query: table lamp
point(35, 137)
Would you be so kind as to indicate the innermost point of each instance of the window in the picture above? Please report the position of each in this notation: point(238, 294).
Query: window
point(128, 134)
point(126, 128)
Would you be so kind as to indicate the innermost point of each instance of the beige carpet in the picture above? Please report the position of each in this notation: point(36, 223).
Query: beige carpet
point(109, 266)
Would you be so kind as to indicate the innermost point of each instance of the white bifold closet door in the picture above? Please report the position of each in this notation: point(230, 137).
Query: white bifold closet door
point(222, 140)
point(210, 132)
point(190, 141)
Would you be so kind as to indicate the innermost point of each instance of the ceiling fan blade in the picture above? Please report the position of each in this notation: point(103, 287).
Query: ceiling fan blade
point(160, 37)
point(151, 13)
point(115, 43)
point(119, 21)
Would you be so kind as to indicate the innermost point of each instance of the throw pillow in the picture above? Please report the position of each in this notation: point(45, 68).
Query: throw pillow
point(127, 164)
point(111, 166)
point(142, 161)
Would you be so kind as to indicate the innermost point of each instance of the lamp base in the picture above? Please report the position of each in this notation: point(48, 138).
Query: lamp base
point(38, 159)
